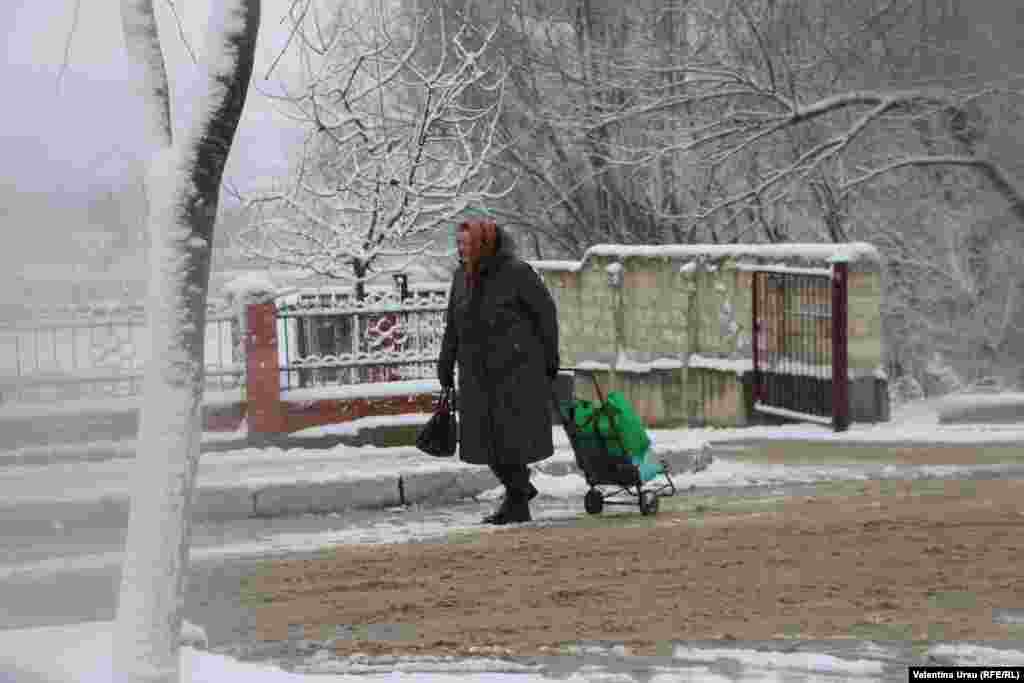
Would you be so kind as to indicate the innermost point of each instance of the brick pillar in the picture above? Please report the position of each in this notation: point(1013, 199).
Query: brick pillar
point(262, 370)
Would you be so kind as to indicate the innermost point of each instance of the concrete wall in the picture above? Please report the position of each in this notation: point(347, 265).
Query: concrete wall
point(670, 326)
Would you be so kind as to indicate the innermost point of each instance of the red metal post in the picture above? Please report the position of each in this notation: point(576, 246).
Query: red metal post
point(840, 360)
point(262, 370)
point(755, 327)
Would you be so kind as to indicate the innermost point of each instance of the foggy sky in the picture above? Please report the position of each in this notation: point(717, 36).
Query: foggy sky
point(87, 132)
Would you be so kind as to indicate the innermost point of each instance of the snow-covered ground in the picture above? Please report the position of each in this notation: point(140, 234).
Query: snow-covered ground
point(561, 493)
point(80, 654)
point(915, 422)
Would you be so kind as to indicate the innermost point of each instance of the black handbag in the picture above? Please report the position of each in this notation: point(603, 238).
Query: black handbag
point(439, 435)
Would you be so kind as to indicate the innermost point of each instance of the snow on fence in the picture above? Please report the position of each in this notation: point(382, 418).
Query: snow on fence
point(324, 337)
point(329, 338)
point(799, 347)
point(99, 352)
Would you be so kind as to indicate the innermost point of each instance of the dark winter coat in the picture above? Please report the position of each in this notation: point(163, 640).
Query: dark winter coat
point(505, 341)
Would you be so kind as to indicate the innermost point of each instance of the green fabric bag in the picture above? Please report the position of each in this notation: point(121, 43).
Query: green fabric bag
point(617, 422)
point(630, 426)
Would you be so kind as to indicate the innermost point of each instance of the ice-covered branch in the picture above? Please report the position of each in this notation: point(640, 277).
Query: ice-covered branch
point(403, 129)
point(1001, 181)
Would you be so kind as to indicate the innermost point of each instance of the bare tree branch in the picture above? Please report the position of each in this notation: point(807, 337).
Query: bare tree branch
point(1000, 179)
point(402, 129)
point(297, 23)
point(181, 31)
point(66, 62)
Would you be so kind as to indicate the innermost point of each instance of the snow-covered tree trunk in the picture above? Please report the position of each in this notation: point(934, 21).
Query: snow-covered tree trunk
point(184, 187)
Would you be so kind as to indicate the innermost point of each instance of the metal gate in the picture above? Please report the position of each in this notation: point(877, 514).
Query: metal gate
point(800, 363)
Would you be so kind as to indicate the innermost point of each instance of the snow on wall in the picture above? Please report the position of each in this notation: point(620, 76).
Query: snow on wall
point(738, 366)
point(853, 252)
point(556, 265)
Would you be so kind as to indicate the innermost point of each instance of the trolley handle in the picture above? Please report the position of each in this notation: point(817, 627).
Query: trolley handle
point(600, 396)
point(590, 373)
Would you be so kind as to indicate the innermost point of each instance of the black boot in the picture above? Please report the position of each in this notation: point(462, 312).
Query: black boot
point(513, 510)
point(515, 507)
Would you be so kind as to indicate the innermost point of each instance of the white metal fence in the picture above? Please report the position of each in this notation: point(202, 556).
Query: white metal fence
point(324, 337)
point(333, 338)
point(99, 352)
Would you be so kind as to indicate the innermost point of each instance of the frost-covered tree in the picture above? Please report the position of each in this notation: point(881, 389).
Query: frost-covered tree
point(400, 108)
point(891, 121)
point(183, 189)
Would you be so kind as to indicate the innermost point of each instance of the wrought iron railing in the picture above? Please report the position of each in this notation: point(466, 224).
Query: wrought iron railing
point(100, 352)
point(327, 338)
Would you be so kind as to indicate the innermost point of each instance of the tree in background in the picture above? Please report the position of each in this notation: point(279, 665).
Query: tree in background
point(401, 108)
point(891, 121)
point(183, 190)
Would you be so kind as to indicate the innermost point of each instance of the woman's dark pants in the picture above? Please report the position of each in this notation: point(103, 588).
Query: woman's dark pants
point(516, 479)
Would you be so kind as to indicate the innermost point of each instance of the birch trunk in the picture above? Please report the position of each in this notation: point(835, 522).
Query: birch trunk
point(184, 188)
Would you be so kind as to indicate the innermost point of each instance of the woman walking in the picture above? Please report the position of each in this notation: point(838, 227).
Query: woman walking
point(502, 330)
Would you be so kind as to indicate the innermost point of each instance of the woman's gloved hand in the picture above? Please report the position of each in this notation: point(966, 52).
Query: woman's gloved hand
point(553, 370)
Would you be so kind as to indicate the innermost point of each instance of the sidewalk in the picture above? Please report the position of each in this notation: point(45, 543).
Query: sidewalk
point(330, 469)
point(290, 478)
point(353, 434)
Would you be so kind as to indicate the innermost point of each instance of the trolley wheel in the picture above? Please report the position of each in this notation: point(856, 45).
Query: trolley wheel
point(648, 503)
point(593, 502)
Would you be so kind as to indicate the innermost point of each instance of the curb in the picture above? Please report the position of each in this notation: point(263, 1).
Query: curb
point(227, 503)
point(222, 504)
point(102, 451)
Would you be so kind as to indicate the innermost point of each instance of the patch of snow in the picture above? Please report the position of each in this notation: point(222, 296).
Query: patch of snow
point(742, 366)
point(624, 363)
point(792, 414)
point(823, 252)
point(571, 266)
point(251, 286)
point(355, 426)
point(970, 400)
point(421, 667)
point(966, 654)
point(893, 432)
point(808, 662)
point(736, 365)
point(104, 405)
point(81, 653)
point(369, 390)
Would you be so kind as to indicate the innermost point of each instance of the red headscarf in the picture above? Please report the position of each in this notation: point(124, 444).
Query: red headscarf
point(481, 242)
